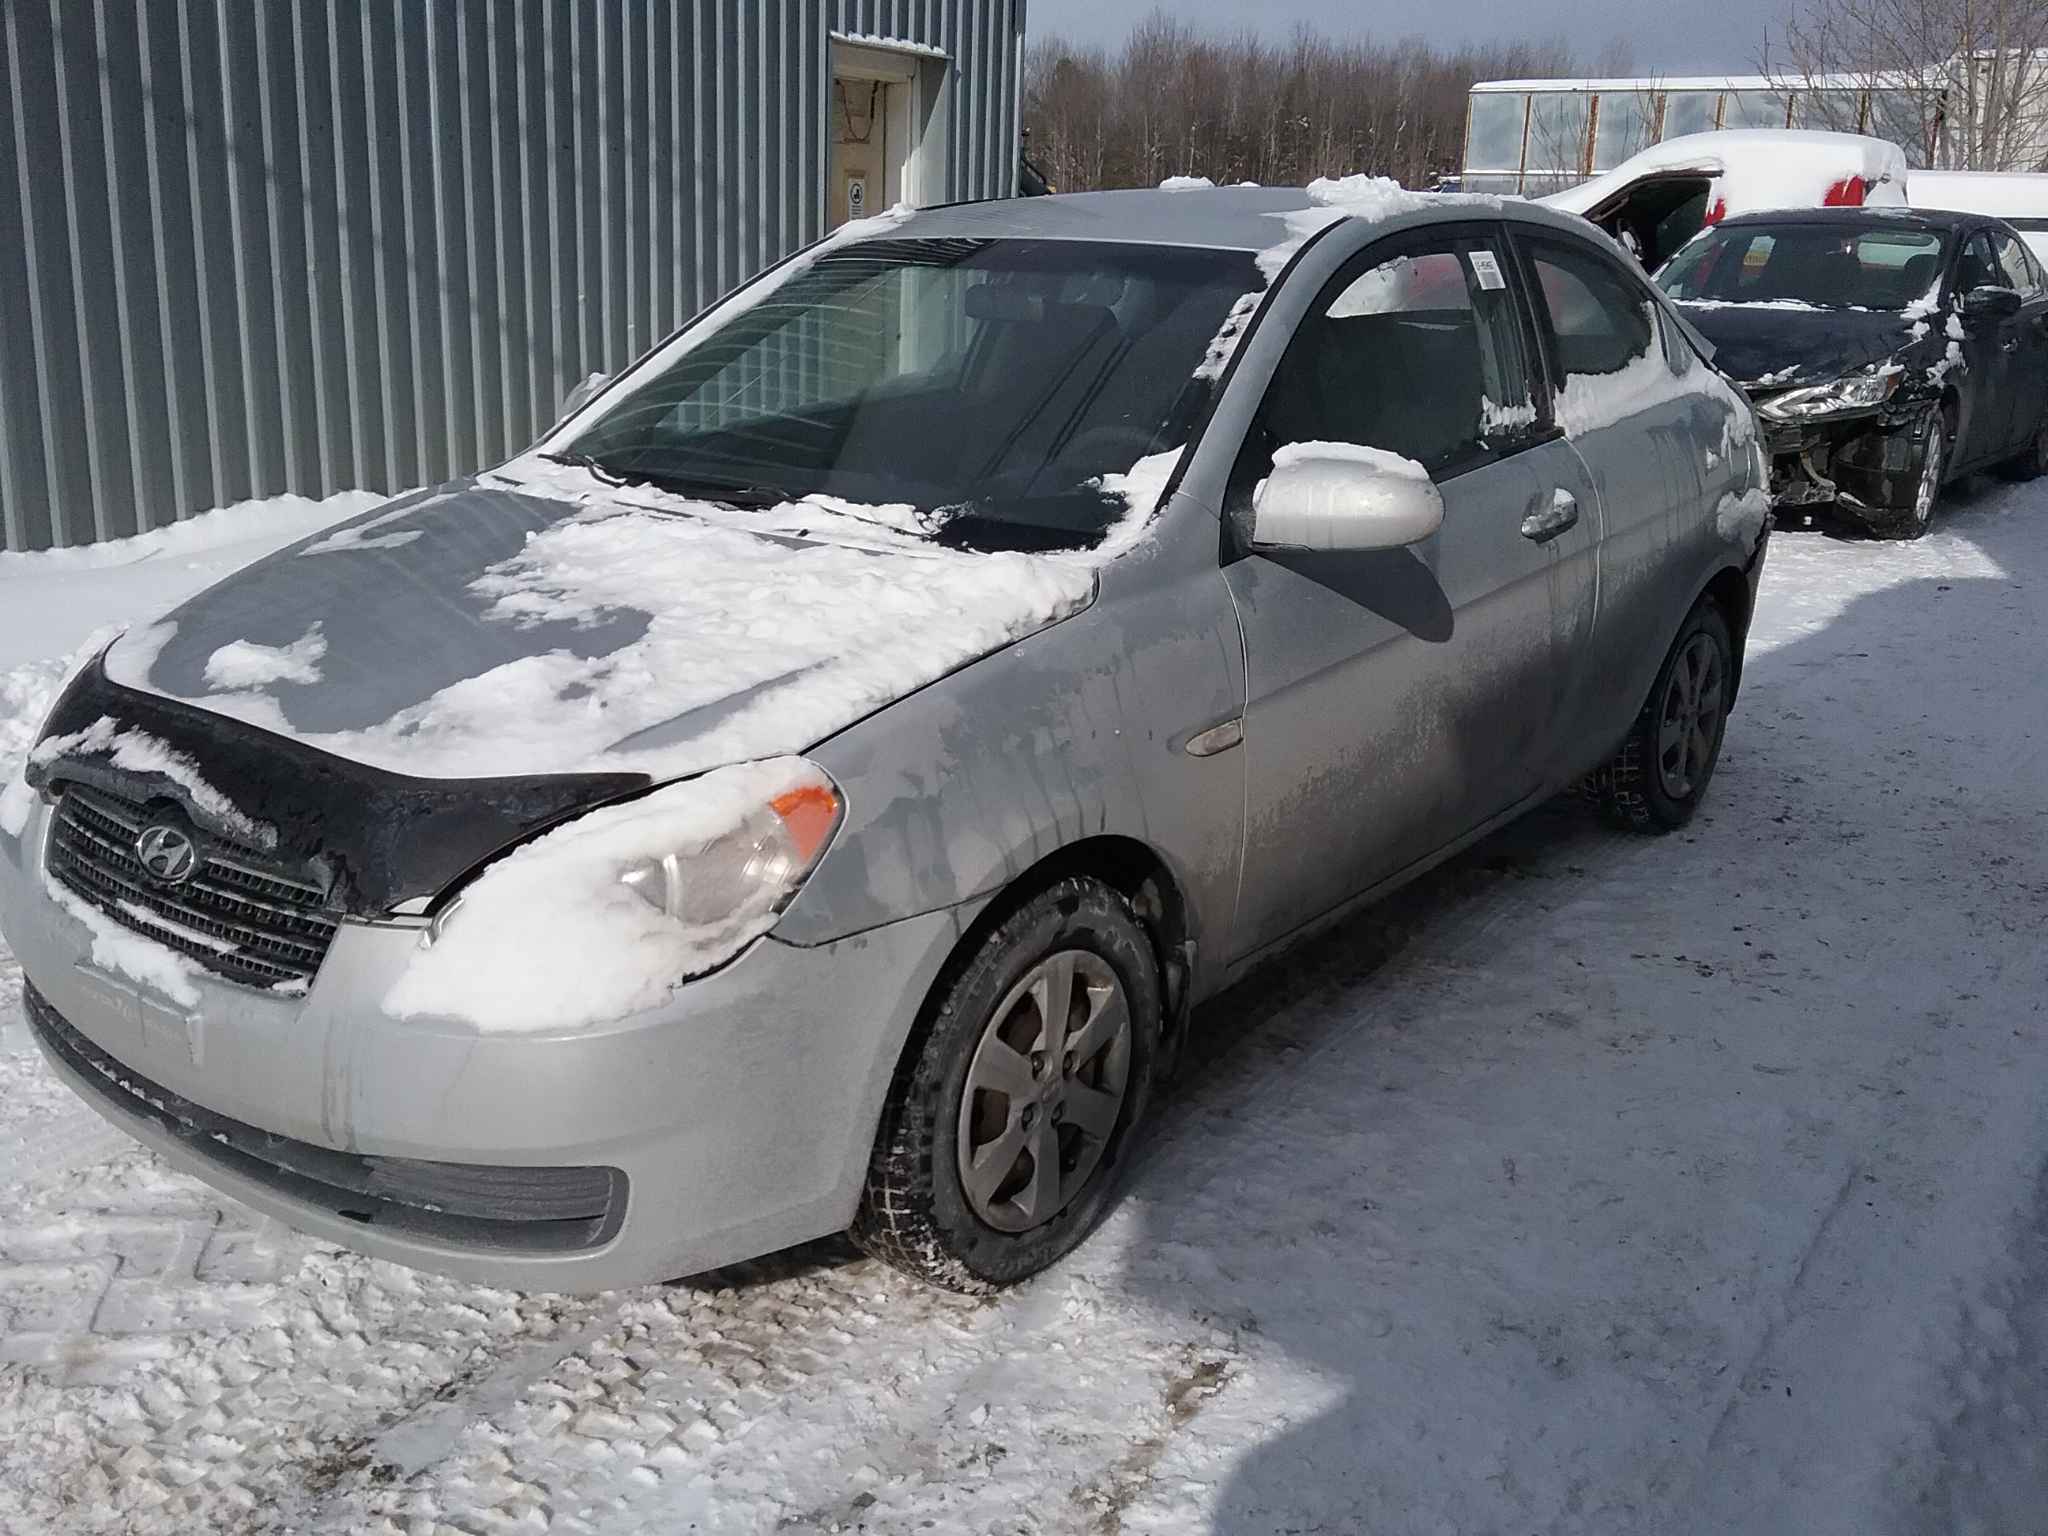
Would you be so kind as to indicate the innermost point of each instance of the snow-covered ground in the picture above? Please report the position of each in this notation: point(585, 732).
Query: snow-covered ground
point(1594, 1184)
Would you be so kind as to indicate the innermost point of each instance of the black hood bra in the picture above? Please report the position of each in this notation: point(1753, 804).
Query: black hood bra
point(371, 838)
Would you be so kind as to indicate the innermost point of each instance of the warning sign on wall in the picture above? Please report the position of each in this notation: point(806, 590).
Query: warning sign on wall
point(856, 196)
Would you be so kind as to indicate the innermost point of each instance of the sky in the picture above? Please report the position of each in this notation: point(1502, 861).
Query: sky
point(1666, 38)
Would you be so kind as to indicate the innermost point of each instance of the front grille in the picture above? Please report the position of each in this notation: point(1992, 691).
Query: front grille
point(479, 1205)
point(238, 915)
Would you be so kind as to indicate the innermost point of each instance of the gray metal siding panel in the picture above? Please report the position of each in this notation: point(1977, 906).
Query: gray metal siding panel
point(249, 246)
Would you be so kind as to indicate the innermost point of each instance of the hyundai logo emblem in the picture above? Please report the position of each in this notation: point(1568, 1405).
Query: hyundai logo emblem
point(166, 853)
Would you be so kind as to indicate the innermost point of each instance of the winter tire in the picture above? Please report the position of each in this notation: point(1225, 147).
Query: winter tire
point(1019, 1095)
point(1660, 775)
point(1917, 515)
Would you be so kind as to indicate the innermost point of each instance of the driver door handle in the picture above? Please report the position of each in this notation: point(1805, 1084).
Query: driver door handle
point(1548, 519)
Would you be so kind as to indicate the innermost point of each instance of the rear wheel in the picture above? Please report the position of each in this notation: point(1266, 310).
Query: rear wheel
point(1660, 775)
point(1014, 1107)
point(1916, 516)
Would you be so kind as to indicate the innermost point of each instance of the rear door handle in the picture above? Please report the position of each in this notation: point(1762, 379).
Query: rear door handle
point(1552, 518)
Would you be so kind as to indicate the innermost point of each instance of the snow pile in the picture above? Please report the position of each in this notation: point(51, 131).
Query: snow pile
point(1141, 487)
point(243, 664)
point(1739, 519)
point(274, 519)
point(16, 801)
point(1185, 184)
point(1371, 198)
point(1494, 417)
point(1223, 346)
point(551, 936)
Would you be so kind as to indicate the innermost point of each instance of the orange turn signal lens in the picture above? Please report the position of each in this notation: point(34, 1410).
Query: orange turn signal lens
point(810, 812)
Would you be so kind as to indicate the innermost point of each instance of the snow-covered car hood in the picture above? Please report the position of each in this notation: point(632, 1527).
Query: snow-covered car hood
point(1787, 345)
point(485, 629)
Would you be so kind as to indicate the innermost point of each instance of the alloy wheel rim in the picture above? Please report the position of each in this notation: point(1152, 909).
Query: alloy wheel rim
point(1044, 1091)
point(1930, 474)
point(1688, 717)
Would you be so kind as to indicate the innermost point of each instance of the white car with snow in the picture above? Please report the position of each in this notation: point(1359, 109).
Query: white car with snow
point(810, 790)
point(1655, 201)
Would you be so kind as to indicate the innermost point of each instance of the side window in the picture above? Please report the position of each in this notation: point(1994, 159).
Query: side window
point(2013, 264)
point(1420, 354)
point(1600, 319)
point(1978, 268)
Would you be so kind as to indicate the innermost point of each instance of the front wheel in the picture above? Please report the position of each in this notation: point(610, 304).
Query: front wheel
point(1660, 775)
point(1018, 1100)
point(1914, 518)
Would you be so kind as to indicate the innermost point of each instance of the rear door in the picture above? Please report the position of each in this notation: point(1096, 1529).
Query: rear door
point(1397, 699)
point(1659, 454)
point(2024, 340)
point(1981, 357)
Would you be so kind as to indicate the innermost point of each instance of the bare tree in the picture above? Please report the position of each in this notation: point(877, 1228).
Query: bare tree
point(1234, 107)
point(1962, 83)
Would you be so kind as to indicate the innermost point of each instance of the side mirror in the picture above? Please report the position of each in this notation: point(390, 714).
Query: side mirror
point(1984, 305)
point(579, 394)
point(1340, 496)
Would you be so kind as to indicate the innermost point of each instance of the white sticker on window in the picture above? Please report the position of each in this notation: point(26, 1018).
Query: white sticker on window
point(1487, 270)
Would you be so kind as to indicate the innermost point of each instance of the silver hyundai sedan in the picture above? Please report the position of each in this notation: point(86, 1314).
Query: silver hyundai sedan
point(809, 790)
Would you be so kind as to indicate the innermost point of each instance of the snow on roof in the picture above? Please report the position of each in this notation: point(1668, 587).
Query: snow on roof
point(1758, 168)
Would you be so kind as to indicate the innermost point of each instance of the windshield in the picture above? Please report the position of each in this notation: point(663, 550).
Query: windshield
point(1827, 266)
point(988, 385)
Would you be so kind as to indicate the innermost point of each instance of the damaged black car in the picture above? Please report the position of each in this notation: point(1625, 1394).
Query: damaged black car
point(1887, 352)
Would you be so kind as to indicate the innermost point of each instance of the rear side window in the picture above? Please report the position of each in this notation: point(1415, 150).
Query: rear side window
point(1600, 320)
point(2013, 263)
point(1419, 353)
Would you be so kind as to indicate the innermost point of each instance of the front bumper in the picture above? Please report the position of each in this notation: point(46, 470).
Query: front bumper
point(738, 1117)
point(1864, 460)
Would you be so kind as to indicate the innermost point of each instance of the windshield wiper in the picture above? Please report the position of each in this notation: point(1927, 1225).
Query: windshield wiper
point(735, 493)
point(591, 462)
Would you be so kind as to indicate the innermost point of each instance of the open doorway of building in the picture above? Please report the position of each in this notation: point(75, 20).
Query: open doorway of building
point(876, 131)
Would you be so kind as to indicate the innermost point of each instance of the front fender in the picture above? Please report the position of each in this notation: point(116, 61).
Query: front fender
point(1078, 731)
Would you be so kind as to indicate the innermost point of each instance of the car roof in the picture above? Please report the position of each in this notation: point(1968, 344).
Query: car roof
point(1931, 219)
point(1221, 218)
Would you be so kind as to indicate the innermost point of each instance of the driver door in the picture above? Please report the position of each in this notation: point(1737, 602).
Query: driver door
point(1398, 699)
point(1985, 382)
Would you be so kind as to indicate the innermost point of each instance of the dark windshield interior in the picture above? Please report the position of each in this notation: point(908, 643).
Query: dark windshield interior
point(986, 383)
point(1829, 266)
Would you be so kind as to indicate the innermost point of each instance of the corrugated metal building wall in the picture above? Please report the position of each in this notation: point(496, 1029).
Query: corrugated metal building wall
point(252, 246)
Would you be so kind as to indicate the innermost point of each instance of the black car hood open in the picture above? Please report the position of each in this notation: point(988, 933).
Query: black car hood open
point(1785, 347)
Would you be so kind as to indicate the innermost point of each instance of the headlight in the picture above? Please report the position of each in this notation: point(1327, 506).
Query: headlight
point(1858, 392)
point(753, 868)
point(605, 915)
